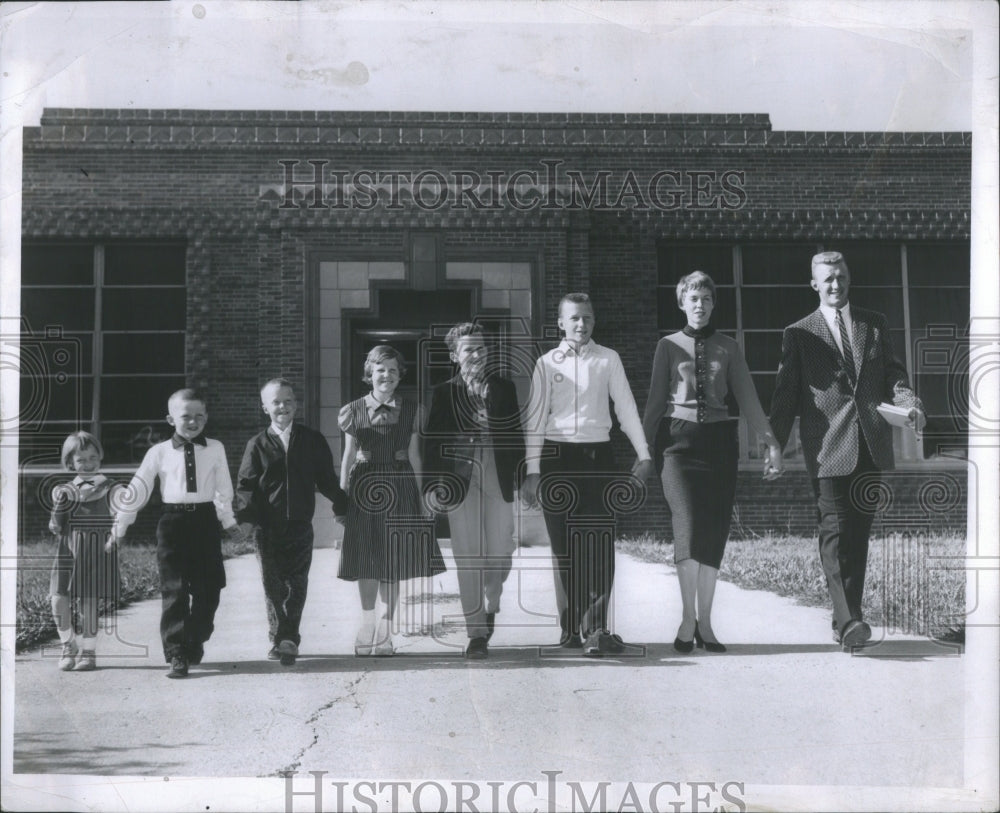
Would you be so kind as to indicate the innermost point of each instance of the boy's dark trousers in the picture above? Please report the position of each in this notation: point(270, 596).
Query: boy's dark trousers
point(581, 527)
point(189, 555)
point(284, 549)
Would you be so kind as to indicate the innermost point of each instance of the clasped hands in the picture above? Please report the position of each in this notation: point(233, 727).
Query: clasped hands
point(774, 464)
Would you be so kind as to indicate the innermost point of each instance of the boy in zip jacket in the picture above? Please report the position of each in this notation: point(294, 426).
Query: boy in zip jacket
point(282, 469)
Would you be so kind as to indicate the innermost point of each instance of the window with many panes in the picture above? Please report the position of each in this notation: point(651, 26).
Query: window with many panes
point(922, 288)
point(102, 344)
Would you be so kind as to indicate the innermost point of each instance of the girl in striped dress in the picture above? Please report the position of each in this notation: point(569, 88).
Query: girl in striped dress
point(386, 538)
point(86, 563)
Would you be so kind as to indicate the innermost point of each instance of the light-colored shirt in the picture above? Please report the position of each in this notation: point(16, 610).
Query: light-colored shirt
point(569, 400)
point(830, 316)
point(284, 435)
point(166, 463)
point(674, 391)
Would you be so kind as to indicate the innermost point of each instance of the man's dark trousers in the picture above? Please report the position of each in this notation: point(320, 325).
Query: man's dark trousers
point(846, 511)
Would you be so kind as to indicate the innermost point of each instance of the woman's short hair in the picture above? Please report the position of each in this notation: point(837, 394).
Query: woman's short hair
point(692, 282)
point(379, 354)
point(460, 331)
point(77, 442)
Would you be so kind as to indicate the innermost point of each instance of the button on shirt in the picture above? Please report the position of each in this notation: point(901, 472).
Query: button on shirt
point(166, 463)
point(569, 400)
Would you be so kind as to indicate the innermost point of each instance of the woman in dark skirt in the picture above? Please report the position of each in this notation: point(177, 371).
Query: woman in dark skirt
point(686, 417)
point(384, 542)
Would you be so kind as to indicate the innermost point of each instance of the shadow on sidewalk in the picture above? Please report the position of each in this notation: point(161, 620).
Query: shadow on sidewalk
point(500, 658)
point(39, 753)
point(911, 650)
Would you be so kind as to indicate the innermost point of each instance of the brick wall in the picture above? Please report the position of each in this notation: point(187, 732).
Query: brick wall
point(213, 178)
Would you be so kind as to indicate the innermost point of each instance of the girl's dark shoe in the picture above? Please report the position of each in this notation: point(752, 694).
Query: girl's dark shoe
point(683, 646)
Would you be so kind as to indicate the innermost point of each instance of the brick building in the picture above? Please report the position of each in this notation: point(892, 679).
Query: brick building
point(221, 248)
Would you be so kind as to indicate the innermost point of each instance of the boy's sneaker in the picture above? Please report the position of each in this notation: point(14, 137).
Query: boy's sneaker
point(68, 658)
point(273, 654)
point(592, 645)
point(178, 667)
point(288, 651)
point(87, 661)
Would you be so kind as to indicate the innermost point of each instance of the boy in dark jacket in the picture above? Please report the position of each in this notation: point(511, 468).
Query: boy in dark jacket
point(283, 467)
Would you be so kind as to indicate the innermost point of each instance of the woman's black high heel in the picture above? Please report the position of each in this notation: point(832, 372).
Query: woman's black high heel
point(708, 646)
point(683, 646)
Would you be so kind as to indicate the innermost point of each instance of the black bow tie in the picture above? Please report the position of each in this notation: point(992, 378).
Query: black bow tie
point(86, 482)
point(179, 441)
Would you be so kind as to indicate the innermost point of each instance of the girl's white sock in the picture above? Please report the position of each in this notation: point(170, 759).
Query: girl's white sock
point(61, 614)
point(89, 644)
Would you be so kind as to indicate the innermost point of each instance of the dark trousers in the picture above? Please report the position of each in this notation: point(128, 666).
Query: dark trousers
point(845, 520)
point(284, 550)
point(573, 491)
point(189, 556)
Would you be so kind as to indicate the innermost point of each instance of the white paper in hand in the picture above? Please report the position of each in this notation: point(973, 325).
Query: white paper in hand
point(897, 416)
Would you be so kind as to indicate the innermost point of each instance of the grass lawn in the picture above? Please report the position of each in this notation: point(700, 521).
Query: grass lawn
point(140, 580)
point(914, 585)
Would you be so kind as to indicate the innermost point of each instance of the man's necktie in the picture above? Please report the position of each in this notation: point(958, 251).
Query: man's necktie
point(848, 350)
point(189, 469)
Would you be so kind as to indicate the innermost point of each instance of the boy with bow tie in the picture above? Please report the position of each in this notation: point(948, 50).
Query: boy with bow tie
point(197, 494)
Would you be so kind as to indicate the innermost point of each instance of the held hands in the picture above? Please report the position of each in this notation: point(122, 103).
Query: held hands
point(774, 465)
point(239, 533)
point(644, 470)
point(529, 491)
point(112, 542)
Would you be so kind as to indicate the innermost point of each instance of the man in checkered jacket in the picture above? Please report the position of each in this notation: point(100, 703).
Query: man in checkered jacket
point(837, 366)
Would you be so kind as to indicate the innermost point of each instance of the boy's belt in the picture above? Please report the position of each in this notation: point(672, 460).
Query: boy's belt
point(187, 506)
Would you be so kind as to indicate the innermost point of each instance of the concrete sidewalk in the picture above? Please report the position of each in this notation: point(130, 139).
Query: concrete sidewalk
point(784, 707)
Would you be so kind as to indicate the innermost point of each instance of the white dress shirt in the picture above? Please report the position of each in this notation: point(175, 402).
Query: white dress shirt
point(830, 315)
point(166, 463)
point(569, 400)
point(284, 435)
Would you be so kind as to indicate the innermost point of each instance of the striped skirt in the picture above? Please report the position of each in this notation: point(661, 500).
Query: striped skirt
point(386, 536)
